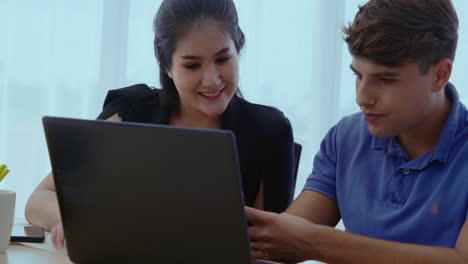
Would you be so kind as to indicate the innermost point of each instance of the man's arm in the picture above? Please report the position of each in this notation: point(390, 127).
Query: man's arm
point(315, 207)
point(335, 246)
point(294, 236)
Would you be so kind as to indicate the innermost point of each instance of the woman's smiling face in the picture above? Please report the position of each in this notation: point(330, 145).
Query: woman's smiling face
point(205, 69)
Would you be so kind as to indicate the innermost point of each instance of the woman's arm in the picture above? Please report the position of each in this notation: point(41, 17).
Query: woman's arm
point(42, 206)
point(278, 166)
point(258, 203)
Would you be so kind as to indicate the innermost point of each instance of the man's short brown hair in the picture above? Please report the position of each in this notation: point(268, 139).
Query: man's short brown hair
point(393, 32)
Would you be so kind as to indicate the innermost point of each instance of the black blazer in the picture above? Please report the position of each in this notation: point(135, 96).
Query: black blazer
point(264, 139)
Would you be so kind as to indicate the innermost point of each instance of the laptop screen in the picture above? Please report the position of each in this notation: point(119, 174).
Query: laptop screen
point(138, 192)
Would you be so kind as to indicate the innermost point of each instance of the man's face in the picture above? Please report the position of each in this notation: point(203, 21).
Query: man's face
point(394, 100)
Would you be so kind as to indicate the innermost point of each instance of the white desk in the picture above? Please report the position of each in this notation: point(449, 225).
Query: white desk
point(38, 253)
point(20, 254)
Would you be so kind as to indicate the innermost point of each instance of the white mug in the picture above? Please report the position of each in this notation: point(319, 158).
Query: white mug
point(7, 214)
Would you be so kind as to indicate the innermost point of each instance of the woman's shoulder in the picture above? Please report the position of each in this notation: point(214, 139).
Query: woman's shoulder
point(265, 123)
point(131, 94)
point(122, 100)
point(264, 115)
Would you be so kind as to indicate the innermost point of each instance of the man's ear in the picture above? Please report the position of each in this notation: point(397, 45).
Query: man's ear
point(442, 71)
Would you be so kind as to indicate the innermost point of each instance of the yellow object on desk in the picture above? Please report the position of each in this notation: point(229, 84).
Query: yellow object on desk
point(3, 171)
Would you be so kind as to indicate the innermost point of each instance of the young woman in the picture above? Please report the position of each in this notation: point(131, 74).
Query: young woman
point(197, 46)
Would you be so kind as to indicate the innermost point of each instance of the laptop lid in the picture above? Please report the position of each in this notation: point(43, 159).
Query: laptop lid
point(131, 192)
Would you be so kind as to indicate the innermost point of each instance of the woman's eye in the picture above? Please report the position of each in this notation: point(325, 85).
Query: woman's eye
point(192, 66)
point(222, 59)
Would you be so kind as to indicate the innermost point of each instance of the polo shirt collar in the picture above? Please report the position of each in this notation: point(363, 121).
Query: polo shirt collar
point(442, 150)
point(448, 134)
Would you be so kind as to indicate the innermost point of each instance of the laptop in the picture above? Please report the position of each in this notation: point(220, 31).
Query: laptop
point(139, 193)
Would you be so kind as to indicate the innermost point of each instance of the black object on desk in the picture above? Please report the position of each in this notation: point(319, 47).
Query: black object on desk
point(31, 234)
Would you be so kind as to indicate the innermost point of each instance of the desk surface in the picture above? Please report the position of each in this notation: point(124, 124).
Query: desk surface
point(18, 254)
point(38, 253)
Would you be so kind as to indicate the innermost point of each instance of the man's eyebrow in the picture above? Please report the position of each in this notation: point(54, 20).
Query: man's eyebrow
point(383, 74)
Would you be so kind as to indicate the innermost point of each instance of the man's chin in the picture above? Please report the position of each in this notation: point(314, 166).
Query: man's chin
point(379, 132)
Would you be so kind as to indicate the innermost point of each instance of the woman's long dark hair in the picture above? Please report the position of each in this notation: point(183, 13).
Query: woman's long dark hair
point(175, 16)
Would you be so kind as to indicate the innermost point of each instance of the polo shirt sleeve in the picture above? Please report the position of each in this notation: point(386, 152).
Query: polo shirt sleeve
point(323, 176)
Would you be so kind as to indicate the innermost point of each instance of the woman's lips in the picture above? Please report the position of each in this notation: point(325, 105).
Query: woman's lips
point(212, 95)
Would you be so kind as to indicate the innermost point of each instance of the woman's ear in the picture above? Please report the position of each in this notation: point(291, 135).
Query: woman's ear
point(168, 72)
point(442, 72)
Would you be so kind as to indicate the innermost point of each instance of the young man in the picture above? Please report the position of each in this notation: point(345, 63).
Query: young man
point(396, 173)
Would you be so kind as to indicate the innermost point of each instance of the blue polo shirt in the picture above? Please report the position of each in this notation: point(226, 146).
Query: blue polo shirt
point(381, 193)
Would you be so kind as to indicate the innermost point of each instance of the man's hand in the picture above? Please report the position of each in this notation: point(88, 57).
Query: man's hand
point(279, 237)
